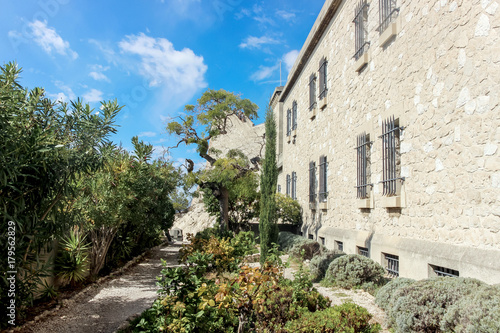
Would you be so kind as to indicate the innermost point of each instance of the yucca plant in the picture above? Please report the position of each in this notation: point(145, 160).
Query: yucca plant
point(72, 262)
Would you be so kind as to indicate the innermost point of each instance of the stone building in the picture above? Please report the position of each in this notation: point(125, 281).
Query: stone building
point(389, 134)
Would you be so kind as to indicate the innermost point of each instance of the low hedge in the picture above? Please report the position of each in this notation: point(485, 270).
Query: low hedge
point(354, 270)
point(319, 264)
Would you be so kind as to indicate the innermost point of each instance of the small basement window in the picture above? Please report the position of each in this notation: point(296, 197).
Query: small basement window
point(322, 240)
point(391, 265)
point(363, 251)
point(443, 271)
point(339, 245)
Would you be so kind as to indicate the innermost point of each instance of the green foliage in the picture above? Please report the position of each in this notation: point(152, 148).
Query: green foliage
point(441, 304)
point(385, 295)
point(348, 317)
point(179, 200)
point(243, 244)
point(286, 240)
point(306, 249)
point(288, 210)
point(354, 270)
point(45, 147)
point(319, 264)
point(268, 227)
point(72, 264)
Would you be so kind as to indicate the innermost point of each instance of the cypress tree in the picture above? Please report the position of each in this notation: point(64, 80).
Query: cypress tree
point(268, 228)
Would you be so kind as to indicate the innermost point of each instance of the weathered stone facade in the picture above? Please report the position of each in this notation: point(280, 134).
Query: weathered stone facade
point(242, 134)
point(439, 76)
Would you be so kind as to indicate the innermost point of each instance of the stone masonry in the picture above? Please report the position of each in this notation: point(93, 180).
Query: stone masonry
point(439, 76)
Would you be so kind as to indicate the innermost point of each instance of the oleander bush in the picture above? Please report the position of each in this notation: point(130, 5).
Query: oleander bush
point(354, 271)
point(440, 304)
point(319, 264)
point(347, 317)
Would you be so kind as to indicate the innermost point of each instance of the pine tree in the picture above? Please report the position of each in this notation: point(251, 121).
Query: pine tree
point(267, 226)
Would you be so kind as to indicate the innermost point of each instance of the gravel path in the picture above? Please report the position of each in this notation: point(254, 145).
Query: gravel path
point(106, 307)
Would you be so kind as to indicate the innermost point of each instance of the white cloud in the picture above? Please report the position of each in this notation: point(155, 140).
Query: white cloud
point(289, 59)
point(147, 134)
point(179, 71)
point(97, 73)
point(66, 93)
point(285, 15)
point(264, 72)
point(252, 42)
point(50, 40)
point(92, 96)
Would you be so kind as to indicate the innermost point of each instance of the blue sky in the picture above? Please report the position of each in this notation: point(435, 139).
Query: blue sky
point(154, 56)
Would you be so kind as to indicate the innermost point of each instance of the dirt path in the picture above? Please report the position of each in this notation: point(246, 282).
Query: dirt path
point(105, 308)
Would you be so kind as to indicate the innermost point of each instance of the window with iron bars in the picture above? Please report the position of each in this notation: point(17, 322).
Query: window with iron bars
point(391, 157)
point(339, 245)
point(322, 78)
point(443, 271)
point(288, 183)
point(388, 11)
point(392, 265)
point(312, 181)
point(361, 29)
point(323, 179)
point(363, 162)
point(288, 122)
point(312, 91)
point(363, 251)
point(294, 185)
point(294, 115)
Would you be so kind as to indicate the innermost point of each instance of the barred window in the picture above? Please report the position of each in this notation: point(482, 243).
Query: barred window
point(312, 91)
point(363, 165)
point(294, 115)
point(279, 188)
point(387, 13)
point(288, 183)
point(288, 122)
point(312, 181)
point(339, 245)
point(391, 156)
point(294, 185)
point(443, 271)
point(323, 179)
point(322, 78)
point(363, 251)
point(360, 29)
point(391, 265)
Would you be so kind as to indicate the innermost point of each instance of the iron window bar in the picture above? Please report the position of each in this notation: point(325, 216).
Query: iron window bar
point(387, 12)
point(323, 179)
point(288, 122)
point(360, 14)
point(392, 265)
point(389, 156)
point(312, 92)
point(340, 245)
point(362, 151)
point(322, 78)
point(364, 251)
point(288, 183)
point(312, 182)
point(447, 272)
point(294, 115)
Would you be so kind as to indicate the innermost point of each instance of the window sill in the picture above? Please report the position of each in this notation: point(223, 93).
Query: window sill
point(312, 206)
point(294, 133)
point(323, 205)
point(323, 102)
point(393, 202)
point(367, 203)
point(361, 62)
point(391, 31)
point(313, 112)
point(288, 138)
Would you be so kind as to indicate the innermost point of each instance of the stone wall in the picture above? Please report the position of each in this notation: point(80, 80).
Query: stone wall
point(439, 76)
point(242, 135)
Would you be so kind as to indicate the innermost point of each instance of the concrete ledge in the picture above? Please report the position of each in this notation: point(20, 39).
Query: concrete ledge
point(391, 31)
point(323, 102)
point(361, 62)
point(313, 112)
point(365, 203)
point(323, 205)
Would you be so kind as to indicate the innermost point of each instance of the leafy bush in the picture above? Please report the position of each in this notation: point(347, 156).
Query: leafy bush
point(288, 210)
point(422, 305)
point(218, 253)
point(243, 243)
point(286, 240)
point(319, 264)
point(347, 317)
point(72, 262)
point(354, 270)
point(385, 295)
point(299, 246)
point(478, 312)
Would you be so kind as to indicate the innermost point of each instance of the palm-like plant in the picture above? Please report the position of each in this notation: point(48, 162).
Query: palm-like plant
point(72, 262)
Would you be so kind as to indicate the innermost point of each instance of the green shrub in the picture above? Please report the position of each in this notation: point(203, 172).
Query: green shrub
point(306, 249)
point(422, 305)
point(72, 261)
point(243, 243)
point(479, 312)
point(347, 317)
point(286, 240)
point(319, 264)
point(354, 270)
point(385, 296)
